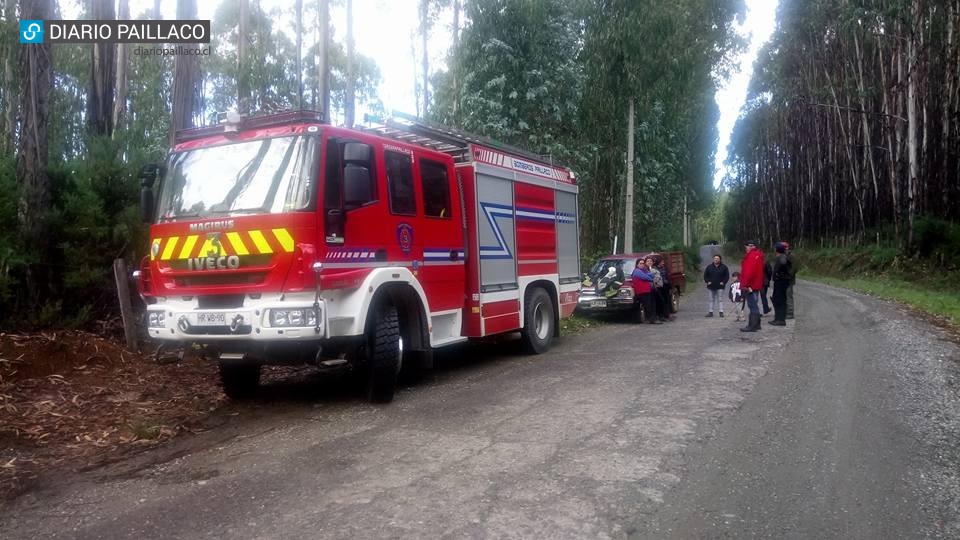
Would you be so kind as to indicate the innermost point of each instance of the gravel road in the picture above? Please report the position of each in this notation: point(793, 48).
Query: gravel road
point(845, 424)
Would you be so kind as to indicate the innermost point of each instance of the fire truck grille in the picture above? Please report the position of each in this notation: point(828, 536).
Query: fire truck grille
point(253, 278)
point(219, 301)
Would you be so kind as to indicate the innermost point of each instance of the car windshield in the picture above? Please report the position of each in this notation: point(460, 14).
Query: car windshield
point(260, 176)
point(624, 268)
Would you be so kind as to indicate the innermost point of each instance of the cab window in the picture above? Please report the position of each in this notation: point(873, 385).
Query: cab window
point(436, 189)
point(400, 183)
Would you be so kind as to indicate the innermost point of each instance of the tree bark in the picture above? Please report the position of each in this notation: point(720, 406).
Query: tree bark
point(914, 165)
point(243, 80)
point(123, 51)
point(348, 105)
point(300, 54)
point(424, 61)
point(186, 80)
point(102, 66)
point(323, 65)
point(36, 74)
point(454, 63)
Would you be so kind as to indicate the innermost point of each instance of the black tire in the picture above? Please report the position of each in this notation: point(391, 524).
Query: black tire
point(538, 321)
point(383, 354)
point(239, 380)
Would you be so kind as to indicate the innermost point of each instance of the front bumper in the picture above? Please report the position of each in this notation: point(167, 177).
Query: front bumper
point(184, 320)
point(598, 304)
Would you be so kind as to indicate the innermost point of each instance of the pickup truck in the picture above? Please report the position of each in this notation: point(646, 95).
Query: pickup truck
point(596, 299)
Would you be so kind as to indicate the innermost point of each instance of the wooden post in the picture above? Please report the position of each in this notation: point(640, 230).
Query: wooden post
point(126, 309)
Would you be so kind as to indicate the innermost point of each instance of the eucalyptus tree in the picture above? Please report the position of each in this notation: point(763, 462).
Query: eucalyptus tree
point(851, 128)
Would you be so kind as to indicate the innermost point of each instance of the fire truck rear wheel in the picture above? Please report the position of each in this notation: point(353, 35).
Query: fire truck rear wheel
point(537, 321)
point(240, 381)
point(383, 354)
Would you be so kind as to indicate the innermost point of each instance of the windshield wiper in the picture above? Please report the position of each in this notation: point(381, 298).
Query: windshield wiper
point(178, 217)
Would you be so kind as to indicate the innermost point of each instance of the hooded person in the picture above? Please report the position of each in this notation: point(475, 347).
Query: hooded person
point(751, 283)
point(793, 278)
point(781, 281)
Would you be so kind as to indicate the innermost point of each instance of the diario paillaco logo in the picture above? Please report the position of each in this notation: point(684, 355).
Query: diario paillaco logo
point(31, 31)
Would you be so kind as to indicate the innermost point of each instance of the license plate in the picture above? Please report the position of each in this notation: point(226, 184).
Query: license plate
point(212, 319)
point(598, 303)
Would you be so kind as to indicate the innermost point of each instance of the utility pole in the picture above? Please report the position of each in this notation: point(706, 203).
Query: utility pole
point(686, 223)
point(628, 222)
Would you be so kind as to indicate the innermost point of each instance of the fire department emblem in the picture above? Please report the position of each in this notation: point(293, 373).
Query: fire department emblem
point(405, 237)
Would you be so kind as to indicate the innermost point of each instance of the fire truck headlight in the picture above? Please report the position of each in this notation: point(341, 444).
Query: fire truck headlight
point(302, 317)
point(155, 319)
point(626, 293)
point(278, 317)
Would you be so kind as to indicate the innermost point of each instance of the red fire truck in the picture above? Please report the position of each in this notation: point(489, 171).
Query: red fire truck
point(279, 239)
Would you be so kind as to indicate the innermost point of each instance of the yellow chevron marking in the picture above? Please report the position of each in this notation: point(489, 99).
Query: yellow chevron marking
point(188, 247)
point(262, 245)
point(169, 248)
point(154, 245)
point(285, 239)
point(237, 243)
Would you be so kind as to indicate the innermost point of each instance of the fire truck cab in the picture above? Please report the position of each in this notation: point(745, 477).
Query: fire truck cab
point(283, 240)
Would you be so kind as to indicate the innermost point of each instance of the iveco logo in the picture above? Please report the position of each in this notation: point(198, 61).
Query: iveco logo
point(231, 262)
point(211, 225)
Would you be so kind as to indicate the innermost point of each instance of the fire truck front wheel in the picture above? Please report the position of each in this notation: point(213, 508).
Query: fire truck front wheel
point(383, 354)
point(240, 380)
point(537, 321)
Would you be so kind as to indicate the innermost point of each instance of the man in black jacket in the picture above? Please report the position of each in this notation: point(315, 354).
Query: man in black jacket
point(716, 276)
point(781, 280)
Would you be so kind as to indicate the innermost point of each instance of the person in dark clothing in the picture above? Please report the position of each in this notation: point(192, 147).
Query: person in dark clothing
point(657, 285)
point(781, 280)
point(665, 289)
point(716, 276)
point(767, 276)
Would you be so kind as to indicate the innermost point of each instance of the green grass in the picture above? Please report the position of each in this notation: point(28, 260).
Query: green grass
point(939, 302)
point(575, 324)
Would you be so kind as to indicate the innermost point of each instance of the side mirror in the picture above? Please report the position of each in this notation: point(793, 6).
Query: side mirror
point(357, 186)
point(149, 173)
point(148, 176)
point(146, 204)
point(358, 152)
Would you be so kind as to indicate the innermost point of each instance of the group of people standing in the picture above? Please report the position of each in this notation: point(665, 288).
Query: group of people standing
point(651, 289)
point(752, 283)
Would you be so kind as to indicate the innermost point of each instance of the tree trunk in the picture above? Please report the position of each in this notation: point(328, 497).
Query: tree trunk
point(424, 61)
point(36, 75)
point(454, 63)
point(123, 51)
point(102, 67)
point(323, 65)
point(186, 80)
point(348, 104)
point(11, 87)
point(299, 54)
point(914, 165)
point(243, 80)
point(628, 199)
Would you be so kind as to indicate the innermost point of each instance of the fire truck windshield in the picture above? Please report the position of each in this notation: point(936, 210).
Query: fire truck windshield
point(251, 177)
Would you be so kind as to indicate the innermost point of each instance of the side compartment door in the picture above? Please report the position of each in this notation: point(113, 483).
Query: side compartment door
point(496, 228)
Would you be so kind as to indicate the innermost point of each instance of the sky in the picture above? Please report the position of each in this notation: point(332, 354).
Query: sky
point(758, 25)
point(386, 30)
